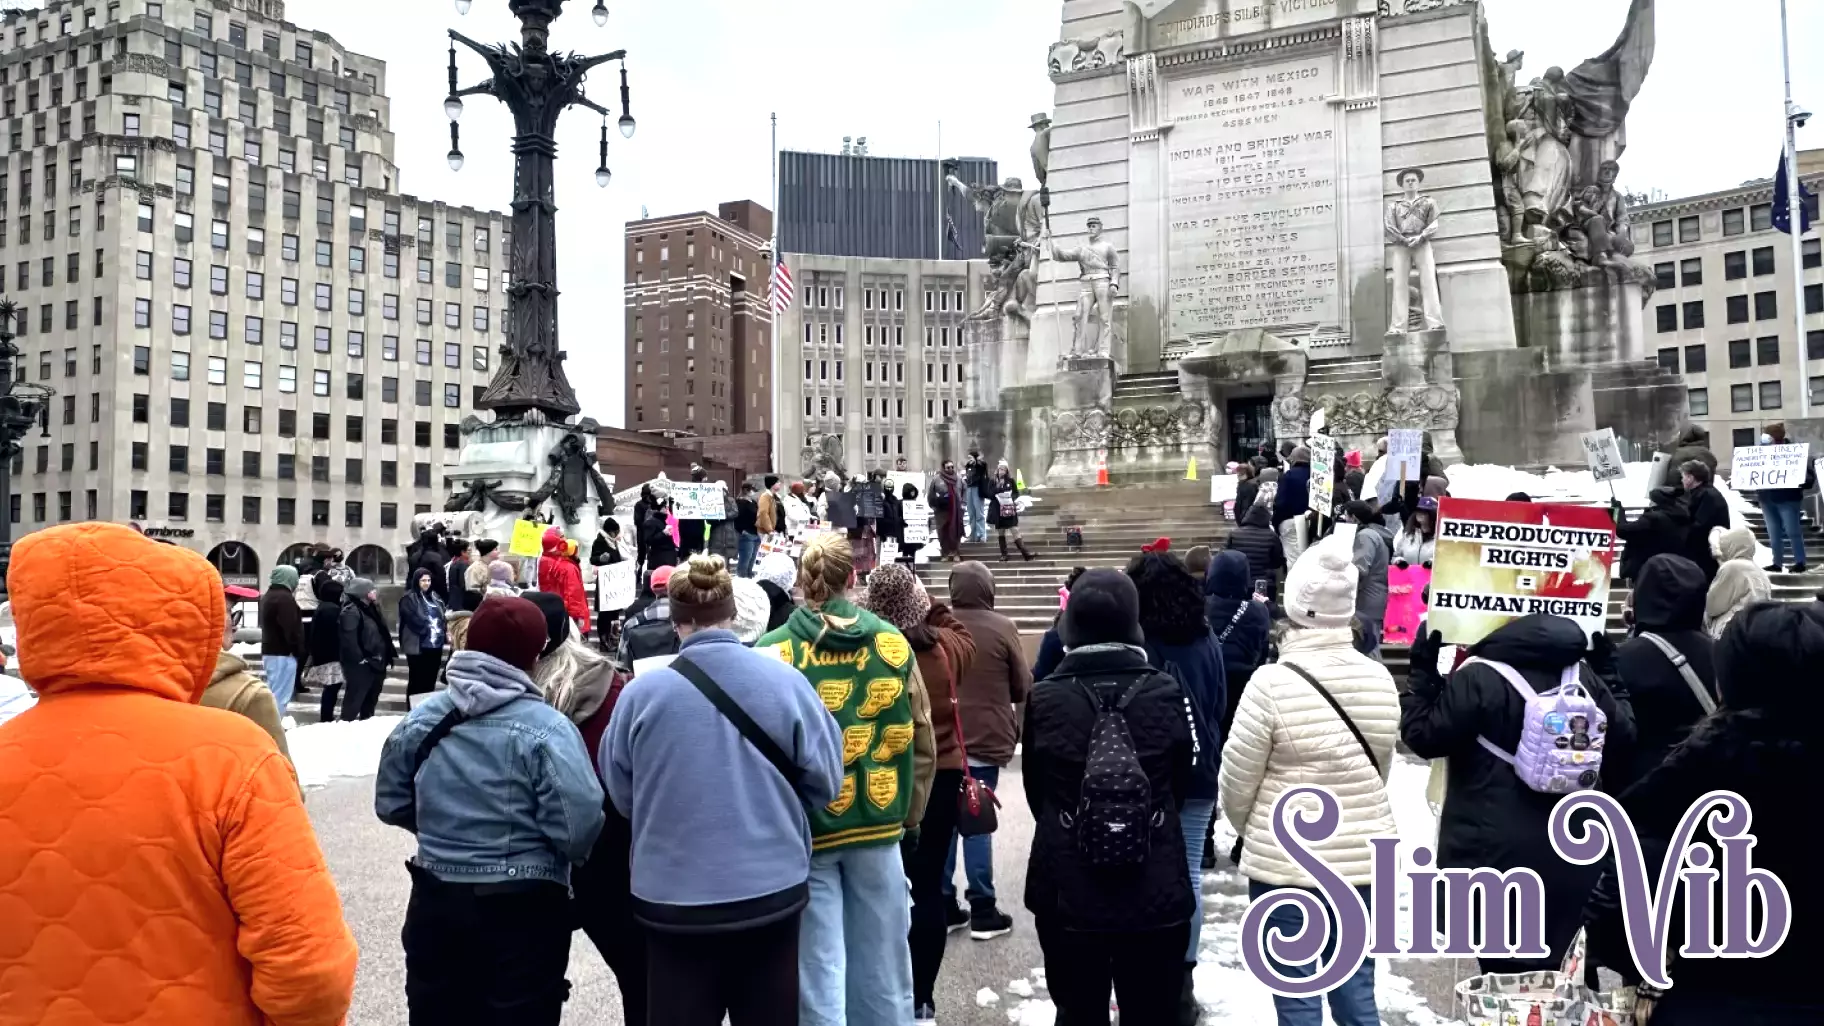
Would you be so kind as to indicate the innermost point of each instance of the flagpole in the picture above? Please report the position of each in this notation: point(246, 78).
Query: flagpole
point(1796, 223)
point(941, 186)
point(773, 308)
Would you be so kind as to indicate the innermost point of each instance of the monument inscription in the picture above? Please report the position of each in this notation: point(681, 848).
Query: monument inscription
point(1252, 182)
point(1219, 19)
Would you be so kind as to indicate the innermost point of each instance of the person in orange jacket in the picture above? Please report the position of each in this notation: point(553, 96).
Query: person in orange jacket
point(560, 576)
point(151, 842)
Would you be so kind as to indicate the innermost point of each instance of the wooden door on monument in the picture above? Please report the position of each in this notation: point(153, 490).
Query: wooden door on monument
point(1250, 427)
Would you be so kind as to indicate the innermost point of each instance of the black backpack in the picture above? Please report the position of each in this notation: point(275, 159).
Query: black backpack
point(1115, 815)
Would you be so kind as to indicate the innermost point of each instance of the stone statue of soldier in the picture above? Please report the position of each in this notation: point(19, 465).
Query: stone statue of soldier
point(1099, 273)
point(1412, 221)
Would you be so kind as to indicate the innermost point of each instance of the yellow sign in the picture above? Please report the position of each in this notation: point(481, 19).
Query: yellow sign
point(528, 538)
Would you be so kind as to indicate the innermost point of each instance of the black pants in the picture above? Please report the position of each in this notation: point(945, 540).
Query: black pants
point(751, 975)
point(486, 954)
point(326, 709)
point(1145, 969)
point(421, 672)
point(925, 869)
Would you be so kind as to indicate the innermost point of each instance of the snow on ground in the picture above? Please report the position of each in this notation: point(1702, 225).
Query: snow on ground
point(321, 751)
point(1230, 995)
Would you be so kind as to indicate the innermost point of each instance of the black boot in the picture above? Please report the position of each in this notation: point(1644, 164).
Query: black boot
point(1021, 542)
point(1190, 1013)
point(1003, 548)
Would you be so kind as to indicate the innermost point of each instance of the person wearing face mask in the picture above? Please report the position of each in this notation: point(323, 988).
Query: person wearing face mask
point(1781, 506)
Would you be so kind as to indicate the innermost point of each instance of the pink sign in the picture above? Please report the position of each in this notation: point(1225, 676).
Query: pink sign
point(1405, 604)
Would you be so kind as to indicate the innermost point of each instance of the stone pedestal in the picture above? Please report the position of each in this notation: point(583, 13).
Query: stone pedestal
point(1416, 358)
point(522, 456)
point(1601, 322)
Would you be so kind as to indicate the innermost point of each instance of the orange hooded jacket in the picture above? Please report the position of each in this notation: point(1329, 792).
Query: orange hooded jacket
point(156, 863)
point(559, 576)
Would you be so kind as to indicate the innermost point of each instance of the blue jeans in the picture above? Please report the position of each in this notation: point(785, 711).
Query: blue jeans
point(1369, 644)
point(1351, 1004)
point(1783, 525)
point(747, 547)
point(978, 525)
point(978, 855)
point(1194, 819)
point(854, 964)
point(281, 679)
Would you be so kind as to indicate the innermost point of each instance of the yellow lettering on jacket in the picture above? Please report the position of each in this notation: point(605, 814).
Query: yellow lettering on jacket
point(894, 739)
point(808, 656)
point(835, 693)
point(855, 740)
point(882, 693)
point(883, 786)
point(893, 648)
point(784, 648)
point(844, 797)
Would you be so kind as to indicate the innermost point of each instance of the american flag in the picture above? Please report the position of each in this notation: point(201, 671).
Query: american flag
point(782, 285)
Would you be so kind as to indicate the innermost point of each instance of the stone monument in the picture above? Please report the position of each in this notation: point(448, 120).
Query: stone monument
point(1345, 205)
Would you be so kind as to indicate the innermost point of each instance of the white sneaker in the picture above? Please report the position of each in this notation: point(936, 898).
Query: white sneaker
point(924, 1015)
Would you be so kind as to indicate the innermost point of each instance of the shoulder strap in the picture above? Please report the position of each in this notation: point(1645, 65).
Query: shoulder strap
point(437, 733)
point(1683, 666)
point(743, 723)
point(1334, 704)
point(1240, 609)
point(1513, 677)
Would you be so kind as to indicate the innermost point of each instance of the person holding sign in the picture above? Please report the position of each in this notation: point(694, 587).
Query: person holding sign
point(1006, 502)
point(1781, 506)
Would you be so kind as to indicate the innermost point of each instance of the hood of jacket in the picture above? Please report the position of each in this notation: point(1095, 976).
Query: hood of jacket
point(838, 624)
point(1667, 498)
point(971, 586)
point(161, 635)
point(1258, 516)
point(480, 683)
point(553, 542)
point(1738, 581)
point(411, 584)
point(328, 590)
point(1669, 595)
point(227, 665)
point(1537, 641)
point(1228, 576)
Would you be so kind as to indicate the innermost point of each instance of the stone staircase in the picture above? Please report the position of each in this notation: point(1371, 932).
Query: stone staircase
point(1146, 388)
point(1344, 370)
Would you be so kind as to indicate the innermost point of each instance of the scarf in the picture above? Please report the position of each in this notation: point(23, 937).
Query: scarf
point(954, 515)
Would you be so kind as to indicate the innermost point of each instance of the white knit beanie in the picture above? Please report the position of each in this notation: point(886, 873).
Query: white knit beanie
point(1320, 589)
point(752, 606)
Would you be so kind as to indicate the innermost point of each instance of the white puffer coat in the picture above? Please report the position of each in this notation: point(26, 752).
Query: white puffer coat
point(1285, 736)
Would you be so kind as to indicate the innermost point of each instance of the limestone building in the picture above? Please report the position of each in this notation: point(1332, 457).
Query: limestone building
point(872, 352)
point(699, 328)
point(257, 341)
point(1723, 314)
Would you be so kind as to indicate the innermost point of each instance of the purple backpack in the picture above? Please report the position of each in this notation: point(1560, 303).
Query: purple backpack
point(1562, 734)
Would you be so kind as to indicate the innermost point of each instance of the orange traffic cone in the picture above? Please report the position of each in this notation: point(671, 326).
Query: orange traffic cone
point(1102, 470)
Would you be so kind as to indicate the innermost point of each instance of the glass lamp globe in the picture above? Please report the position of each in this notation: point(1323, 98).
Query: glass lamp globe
point(455, 160)
point(600, 14)
point(452, 108)
point(602, 175)
point(627, 126)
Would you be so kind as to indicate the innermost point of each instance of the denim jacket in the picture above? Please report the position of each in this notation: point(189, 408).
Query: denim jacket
point(510, 794)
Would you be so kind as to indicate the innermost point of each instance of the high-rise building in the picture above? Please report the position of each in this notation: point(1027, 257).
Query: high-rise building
point(872, 351)
point(699, 328)
point(854, 205)
point(258, 342)
point(1723, 312)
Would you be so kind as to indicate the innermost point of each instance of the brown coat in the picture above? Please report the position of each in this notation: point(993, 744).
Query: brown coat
point(945, 651)
point(999, 679)
point(766, 513)
point(234, 687)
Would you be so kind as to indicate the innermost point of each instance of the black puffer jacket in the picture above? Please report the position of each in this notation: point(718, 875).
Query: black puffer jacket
point(323, 635)
point(1669, 602)
point(1256, 539)
point(365, 642)
point(1661, 528)
point(655, 541)
point(1763, 745)
point(1708, 510)
point(1059, 718)
point(1490, 817)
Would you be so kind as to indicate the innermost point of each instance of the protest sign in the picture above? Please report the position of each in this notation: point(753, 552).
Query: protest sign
point(697, 501)
point(615, 585)
point(869, 502)
point(528, 538)
point(1223, 488)
point(1323, 476)
point(1498, 561)
point(918, 522)
point(1405, 604)
point(1603, 455)
point(1405, 454)
point(1755, 467)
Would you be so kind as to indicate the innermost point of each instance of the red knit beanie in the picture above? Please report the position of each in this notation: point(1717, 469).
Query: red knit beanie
point(508, 628)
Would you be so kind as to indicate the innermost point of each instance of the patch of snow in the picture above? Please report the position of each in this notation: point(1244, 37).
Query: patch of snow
point(1019, 988)
point(1038, 1012)
point(322, 751)
point(986, 997)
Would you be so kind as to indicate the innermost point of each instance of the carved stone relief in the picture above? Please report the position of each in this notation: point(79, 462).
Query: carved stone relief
point(1091, 54)
point(1432, 407)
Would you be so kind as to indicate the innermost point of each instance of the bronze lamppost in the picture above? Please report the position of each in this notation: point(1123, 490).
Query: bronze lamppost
point(22, 405)
point(537, 85)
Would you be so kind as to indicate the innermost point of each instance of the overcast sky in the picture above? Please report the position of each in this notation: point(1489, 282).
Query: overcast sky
point(706, 74)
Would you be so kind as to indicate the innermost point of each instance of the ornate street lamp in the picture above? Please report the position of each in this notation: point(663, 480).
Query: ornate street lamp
point(537, 85)
point(22, 404)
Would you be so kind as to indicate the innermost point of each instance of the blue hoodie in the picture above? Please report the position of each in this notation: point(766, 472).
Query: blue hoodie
point(1227, 590)
point(1198, 668)
point(720, 842)
point(1294, 494)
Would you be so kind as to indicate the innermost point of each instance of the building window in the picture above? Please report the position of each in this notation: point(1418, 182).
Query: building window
point(1734, 223)
point(1766, 306)
point(1739, 354)
point(1735, 309)
point(1770, 395)
point(1767, 351)
point(1668, 360)
point(1691, 272)
point(1666, 316)
point(1735, 265)
point(1694, 314)
point(1760, 217)
point(1697, 359)
point(1662, 233)
point(1688, 230)
point(1763, 261)
point(1741, 398)
point(1697, 402)
point(1665, 276)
